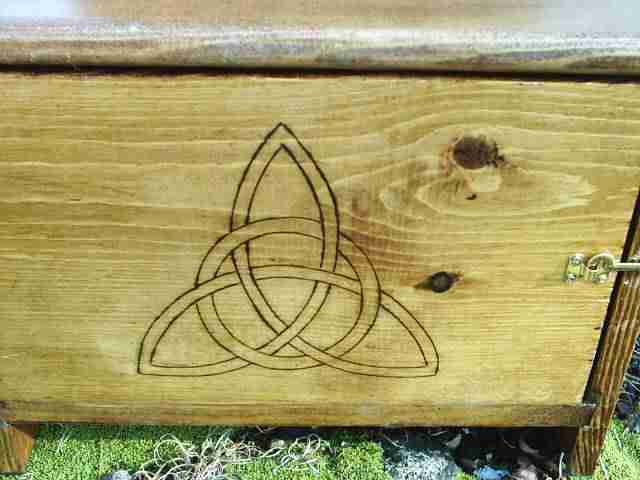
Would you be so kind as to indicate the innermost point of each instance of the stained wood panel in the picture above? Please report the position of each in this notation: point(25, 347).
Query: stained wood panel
point(252, 240)
point(331, 413)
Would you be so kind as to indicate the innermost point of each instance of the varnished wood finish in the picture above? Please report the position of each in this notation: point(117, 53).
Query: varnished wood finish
point(16, 442)
point(618, 342)
point(113, 188)
point(564, 36)
point(370, 413)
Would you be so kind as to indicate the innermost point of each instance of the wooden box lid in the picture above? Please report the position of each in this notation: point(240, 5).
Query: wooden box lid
point(561, 36)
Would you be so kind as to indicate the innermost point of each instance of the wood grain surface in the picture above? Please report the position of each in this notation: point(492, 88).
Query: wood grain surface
point(114, 188)
point(616, 348)
point(371, 413)
point(16, 442)
point(564, 36)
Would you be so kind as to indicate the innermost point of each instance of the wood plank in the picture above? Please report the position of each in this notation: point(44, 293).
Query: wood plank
point(614, 355)
point(346, 414)
point(115, 187)
point(487, 35)
point(16, 443)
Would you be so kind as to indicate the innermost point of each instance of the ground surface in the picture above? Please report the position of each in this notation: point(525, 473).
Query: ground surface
point(87, 452)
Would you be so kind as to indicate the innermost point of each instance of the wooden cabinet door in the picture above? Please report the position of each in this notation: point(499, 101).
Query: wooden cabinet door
point(306, 250)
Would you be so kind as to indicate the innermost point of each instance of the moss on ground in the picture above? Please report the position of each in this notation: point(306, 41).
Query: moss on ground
point(362, 461)
point(86, 452)
point(268, 469)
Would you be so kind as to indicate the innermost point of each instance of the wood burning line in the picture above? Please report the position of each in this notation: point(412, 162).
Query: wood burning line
point(235, 246)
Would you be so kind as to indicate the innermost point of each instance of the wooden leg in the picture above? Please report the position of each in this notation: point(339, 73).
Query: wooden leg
point(617, 342)
point(16, 442)
point(589, 443)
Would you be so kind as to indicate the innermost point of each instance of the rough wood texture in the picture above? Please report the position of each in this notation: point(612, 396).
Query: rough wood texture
point(16, 442)
point(330, 413)
point(619, 336)
point(589, 36)
point(114, 188)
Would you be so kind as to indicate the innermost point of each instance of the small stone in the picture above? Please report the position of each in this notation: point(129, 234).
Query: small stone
point(528, 473)
point(412, 464)
point(278, 443)
point(454, 442)
point(117, 475)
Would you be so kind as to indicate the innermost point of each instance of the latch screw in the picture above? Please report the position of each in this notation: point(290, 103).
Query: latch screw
point(577, 259)
point(575, 267)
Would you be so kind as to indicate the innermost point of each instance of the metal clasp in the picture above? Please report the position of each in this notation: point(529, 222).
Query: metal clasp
point(598, 269)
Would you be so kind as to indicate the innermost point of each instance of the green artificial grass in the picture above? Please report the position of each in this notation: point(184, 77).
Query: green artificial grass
point(87, 452)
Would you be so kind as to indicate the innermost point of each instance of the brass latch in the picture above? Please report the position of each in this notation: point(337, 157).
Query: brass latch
point(598, 269)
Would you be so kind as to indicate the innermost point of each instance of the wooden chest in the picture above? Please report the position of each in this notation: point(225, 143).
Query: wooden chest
point(308, 246)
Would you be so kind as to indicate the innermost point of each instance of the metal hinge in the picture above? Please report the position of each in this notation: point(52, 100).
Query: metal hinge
point(598, 269)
